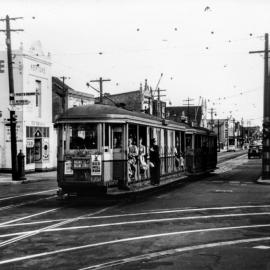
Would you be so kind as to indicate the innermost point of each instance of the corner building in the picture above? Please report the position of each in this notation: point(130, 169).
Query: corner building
point(33, 87)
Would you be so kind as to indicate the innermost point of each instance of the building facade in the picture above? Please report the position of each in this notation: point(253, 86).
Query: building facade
point(65, 97)
point(194, 115)
point(229, 132)
point(141, 100)
point(33, 88)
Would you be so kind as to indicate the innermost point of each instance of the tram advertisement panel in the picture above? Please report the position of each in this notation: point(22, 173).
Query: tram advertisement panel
point(96, 164)
point(68, 167)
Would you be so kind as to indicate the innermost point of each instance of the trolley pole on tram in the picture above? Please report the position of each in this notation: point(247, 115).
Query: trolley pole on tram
point(100, 81)
point(12, 119)
point(266, 115)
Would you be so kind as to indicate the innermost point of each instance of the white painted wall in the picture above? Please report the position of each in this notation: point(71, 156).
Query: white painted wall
point(28, 67)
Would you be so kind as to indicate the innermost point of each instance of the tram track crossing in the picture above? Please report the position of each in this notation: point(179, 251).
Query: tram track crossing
point(136, 222)
point(56, 227)
point(124, 215)
point(172, 252)
point(171, 231)
point(147, 237)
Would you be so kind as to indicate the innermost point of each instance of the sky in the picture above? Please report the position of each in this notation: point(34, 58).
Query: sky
point(200, 46)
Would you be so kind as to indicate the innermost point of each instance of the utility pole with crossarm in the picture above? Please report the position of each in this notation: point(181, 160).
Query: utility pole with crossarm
point(100, 81)
point(266, 115)
point(12, 119)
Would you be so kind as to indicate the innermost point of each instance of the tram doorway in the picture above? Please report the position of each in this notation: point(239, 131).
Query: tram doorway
point(119, 164)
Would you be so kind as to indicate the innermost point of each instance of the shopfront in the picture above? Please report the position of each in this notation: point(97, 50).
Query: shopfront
point(37, 147)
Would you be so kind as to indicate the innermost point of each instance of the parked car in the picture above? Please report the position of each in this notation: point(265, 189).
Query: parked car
point(255, 151)
point(231, 148)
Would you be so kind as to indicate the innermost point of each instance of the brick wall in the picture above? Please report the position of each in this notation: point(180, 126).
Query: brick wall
point(131, 100)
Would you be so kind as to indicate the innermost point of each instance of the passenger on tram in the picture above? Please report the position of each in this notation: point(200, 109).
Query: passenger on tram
point(154, 162)
point(182, 161)
point(142, 153)
point(132, 159)
point(177, 157)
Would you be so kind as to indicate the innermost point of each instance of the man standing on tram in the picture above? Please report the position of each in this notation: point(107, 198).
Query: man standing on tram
point(154, 162)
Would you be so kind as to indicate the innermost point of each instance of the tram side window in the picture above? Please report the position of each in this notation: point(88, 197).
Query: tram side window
point(188, 141)
point(117, 140)
point(83, 136)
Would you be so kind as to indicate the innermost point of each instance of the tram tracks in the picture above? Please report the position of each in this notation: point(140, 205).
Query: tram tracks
point(171, 252)
point(54, 228)
point(140, 234)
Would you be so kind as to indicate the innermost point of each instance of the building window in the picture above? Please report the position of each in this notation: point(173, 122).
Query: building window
point(38, 96)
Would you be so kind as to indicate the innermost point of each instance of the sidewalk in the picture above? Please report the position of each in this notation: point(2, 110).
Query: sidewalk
point(6, 178)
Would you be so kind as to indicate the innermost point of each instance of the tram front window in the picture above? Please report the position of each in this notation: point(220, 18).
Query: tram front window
point(82, 136)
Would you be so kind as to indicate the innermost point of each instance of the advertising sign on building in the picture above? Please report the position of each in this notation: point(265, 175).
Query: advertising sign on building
point(96, 165)
point(45, 152)
point(30, 143)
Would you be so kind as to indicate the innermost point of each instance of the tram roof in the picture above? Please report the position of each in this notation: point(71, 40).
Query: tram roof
point(100, 111)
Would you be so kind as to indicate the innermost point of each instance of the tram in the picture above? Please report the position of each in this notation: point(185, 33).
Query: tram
point(93, 152)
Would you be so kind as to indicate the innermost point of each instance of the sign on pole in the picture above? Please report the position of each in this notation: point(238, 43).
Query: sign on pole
point(22, 102)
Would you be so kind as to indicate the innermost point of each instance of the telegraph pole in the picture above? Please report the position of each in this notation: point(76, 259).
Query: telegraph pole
point(64, 96)
point(266, 115)
point(218, 135)
point(188, 100)
point(159, 95)
point(100, 81)
point(212, 118)
point(12, 119)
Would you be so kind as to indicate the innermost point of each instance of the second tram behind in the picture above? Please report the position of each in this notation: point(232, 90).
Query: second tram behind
point(93, 151)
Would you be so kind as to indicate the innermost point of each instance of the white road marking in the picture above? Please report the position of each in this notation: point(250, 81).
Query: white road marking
point(130, 239)
point(171, 252)
point(135, 222)
point(27, 194)
point(26, 235)
point(262, 247)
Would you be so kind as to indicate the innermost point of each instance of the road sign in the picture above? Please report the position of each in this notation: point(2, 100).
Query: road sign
point(26, 94)
point(22, 102)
